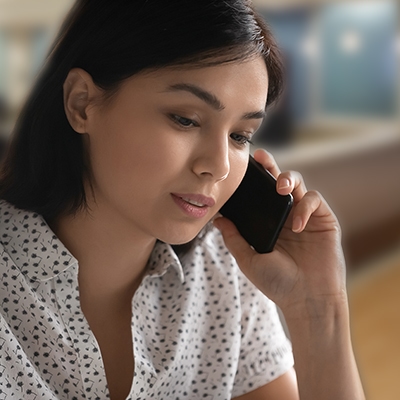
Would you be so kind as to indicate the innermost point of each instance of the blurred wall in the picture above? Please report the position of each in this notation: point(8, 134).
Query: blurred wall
point(27, 28)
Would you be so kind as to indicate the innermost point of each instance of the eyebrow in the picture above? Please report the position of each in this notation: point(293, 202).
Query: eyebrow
point(210, 99)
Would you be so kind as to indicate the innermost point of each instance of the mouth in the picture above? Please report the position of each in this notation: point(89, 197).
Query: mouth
point(193, 202)
point(197, 200)
point(194, 205)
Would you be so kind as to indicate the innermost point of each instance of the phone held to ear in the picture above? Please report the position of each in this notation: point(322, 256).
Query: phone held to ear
point(257, 209)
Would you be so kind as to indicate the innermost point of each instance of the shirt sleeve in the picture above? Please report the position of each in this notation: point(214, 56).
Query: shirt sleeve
point(266, 352)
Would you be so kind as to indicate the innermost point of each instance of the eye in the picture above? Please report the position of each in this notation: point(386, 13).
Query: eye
point(240, 139)
point(182, 121)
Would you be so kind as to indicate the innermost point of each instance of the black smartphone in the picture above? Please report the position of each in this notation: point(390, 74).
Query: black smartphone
point(257, 209)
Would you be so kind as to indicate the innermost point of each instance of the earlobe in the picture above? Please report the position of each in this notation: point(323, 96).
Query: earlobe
point(78, 90)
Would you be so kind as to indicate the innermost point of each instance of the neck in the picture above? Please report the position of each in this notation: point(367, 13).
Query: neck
point(112, 255)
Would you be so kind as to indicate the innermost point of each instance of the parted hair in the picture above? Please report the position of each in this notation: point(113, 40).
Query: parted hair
point(46, 165)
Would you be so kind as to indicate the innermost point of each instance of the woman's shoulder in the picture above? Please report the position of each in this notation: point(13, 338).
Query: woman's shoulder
point(6, 209)
point(29, 245)
point(6, 225)
point(16, 228)
point(14, 220)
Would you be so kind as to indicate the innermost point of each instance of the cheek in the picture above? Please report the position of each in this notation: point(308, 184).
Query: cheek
point(123, 157)
point(111, 144)
point(106, 158)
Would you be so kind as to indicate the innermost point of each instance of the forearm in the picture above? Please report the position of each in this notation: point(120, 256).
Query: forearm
point(323, 353)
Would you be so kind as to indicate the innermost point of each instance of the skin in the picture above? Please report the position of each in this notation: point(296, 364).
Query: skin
point(156, 137)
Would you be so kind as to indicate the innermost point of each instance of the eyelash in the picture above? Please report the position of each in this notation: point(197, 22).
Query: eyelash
point(186, 123)
point(179, 120)
point(243, 140)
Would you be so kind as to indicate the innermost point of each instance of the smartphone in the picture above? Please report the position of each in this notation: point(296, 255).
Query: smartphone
point(257, 209)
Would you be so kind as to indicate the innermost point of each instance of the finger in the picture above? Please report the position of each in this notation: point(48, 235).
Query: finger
point(312, 203)
point(287, 182)
point(291, 182)
point(234, 241)
point(267, 160)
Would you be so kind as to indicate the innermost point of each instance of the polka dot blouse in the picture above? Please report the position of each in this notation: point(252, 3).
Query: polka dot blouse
point(201, 330)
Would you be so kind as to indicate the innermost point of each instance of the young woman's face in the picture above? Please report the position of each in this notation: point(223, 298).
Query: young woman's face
point(171, 147)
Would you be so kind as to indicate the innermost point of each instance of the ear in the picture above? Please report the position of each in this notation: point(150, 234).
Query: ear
point(79, 93)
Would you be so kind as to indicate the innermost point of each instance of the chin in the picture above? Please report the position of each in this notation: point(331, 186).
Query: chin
point(180, 235)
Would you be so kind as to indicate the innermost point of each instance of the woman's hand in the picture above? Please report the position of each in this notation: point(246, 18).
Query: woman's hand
point(305, 276)
point(306, 267)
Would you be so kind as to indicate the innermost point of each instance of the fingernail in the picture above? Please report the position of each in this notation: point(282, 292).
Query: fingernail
point(297, 224)
point(284, 183)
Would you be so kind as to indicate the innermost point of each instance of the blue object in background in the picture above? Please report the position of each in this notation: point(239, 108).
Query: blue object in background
point(355, 58)
point(358, 59)
point(291, 28)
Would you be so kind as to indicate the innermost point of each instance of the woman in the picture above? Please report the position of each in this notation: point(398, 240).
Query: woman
point(135, 135)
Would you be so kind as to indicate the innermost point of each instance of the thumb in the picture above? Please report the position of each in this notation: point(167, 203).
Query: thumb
point(234, 241)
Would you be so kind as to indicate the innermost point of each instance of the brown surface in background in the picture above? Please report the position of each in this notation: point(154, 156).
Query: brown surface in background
point(375, 321)
point(362, 246)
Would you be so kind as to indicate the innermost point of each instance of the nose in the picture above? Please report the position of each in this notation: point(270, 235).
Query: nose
point(212, 160)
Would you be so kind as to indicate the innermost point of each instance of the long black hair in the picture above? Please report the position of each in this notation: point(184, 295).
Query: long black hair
point(46, 165)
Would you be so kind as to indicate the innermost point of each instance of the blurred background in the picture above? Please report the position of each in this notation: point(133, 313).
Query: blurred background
point(338, 123)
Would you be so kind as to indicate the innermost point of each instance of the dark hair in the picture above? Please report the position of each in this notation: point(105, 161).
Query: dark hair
point(46, 165)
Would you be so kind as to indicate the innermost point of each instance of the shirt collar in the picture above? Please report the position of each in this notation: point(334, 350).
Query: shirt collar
point(163, 257)
point(41, 256)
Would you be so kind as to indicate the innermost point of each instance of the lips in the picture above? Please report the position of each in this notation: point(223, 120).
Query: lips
point(194, 205)
point(197, 200)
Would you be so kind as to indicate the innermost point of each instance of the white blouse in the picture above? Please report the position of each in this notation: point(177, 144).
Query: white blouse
point(200, 328)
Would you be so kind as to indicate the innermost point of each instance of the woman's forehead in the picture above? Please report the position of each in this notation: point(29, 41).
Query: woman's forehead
point(243, 85)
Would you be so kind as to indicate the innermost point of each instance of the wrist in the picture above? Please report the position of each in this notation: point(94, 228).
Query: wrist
point(326, 307)
point(321, 340)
